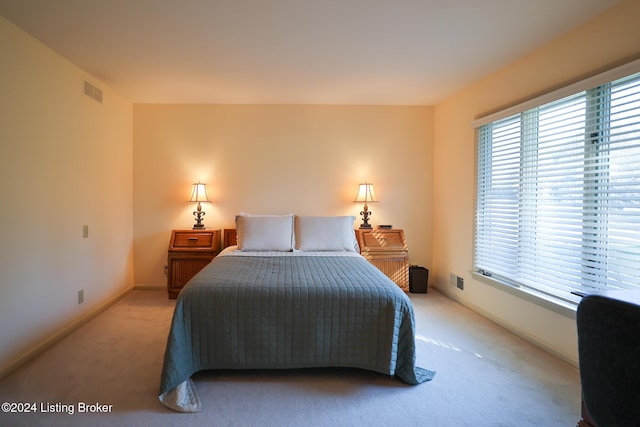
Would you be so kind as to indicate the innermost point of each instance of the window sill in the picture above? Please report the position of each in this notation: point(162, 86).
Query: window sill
point(563, 308)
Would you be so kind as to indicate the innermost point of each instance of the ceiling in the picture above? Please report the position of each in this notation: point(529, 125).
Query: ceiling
point(380, 52)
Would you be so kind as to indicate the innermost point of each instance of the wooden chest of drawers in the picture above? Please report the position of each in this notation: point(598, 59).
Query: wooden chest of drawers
point(189, 251)
point(387, 250)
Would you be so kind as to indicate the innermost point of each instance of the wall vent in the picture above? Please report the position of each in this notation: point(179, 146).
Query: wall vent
point(92, 92)
point(456, 281)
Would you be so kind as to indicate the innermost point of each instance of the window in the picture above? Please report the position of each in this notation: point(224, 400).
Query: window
point(558, 192)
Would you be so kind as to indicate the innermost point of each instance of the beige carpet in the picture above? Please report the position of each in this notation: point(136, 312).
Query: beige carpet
point(486, 376)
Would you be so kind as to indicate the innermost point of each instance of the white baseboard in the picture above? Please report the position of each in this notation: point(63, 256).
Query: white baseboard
point(451, 293)
point(150, 287)
point(58, 336)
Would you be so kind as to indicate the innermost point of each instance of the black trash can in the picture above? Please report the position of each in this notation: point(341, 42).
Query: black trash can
point(418, 279)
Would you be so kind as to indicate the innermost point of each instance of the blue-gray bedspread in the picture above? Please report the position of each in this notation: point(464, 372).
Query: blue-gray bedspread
point(286, 312)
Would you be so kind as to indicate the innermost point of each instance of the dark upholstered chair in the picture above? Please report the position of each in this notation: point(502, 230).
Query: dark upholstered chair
point(609, 355)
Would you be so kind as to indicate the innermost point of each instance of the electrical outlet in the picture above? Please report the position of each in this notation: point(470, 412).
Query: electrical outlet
point(460, 283)
point(80, 296)
point(85, 231)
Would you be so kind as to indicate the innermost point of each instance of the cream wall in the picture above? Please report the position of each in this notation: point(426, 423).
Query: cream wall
point(306, 160)
point(608, 40)
point(65, 161)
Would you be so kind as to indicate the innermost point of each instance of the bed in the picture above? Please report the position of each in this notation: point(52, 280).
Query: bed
point(288, 292)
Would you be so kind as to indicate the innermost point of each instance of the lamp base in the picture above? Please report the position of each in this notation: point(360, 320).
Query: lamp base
point(198, 214)
point(366, 213)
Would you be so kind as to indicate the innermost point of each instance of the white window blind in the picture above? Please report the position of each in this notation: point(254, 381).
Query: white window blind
point(558, 193)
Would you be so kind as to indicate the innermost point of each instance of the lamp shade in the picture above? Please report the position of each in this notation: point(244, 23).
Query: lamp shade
point(199, 193)
point(366, 193)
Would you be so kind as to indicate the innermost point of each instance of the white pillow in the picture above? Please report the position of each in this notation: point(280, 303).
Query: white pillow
point(325, 233)
point(264, 232)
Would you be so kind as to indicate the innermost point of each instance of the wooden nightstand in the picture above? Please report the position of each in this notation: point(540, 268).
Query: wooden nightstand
point(387, 250)
point(189, 251)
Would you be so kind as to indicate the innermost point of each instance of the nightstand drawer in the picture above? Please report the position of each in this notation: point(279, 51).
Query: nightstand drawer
point(192, 240)
point(382, 240)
